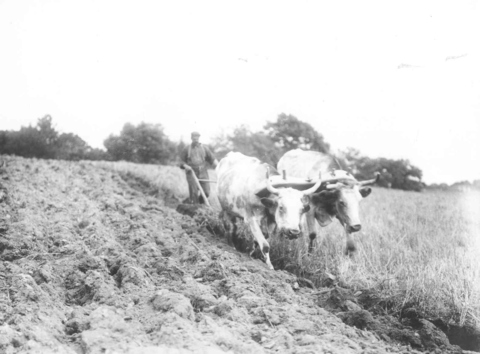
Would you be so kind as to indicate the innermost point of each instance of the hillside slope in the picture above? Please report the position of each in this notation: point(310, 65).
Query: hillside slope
point(90, 262)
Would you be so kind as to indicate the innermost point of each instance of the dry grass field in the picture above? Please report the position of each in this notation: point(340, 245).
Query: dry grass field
point(416, 251)
point(166, 178)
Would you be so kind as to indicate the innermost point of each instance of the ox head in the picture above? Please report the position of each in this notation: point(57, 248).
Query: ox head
point(287, 205)
point(341, 200)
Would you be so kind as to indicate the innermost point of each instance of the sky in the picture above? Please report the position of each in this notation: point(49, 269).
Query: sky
point(396, 79)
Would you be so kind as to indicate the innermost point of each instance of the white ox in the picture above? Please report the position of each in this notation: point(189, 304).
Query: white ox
point(245, 191)
point(338, 196)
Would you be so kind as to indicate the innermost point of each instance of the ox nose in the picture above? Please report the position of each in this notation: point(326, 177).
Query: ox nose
point(354, 228)
point(293, 233)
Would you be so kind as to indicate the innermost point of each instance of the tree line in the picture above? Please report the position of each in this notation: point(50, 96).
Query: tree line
point(148, 143)
point(44, 142)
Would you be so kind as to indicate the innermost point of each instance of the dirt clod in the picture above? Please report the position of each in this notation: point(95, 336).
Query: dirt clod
point(165, 300)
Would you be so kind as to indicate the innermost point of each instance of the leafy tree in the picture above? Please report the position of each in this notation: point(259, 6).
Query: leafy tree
point(463, 186)
point(256, 144)
point(96, 154)
point(43, 141)
point(70, 146)
point(4, 135)
point(180, 147)
point(118, 148)
point(47, 132)
point(288, 132)
point(222, 145)
point(351, 160)
point(145, 143)
point(38, 141)
point(476, 184)
point(435, 186)
point(399, 174)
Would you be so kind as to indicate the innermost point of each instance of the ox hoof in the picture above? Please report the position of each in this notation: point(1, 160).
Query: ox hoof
point(351, 248)
point(350, 252)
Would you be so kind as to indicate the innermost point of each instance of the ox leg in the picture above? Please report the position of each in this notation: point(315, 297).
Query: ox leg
point(230, 225)
point(260, 240)
point(254, 248)
point(234, 235)
point(351, 247)
point(268, 225)
point(310, 230)
point(227, 225)
point(312, 243)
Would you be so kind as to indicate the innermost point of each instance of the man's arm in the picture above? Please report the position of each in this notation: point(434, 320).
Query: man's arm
point(184, 158)
point(209, 157)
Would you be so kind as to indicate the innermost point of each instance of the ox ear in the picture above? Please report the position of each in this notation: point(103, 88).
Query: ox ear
point(306, 203)
point(269, 203)
point(305, 199)
point(365, 192)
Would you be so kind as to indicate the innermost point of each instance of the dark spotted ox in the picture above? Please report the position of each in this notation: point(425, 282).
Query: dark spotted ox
point(246, 191)
point(338, 196)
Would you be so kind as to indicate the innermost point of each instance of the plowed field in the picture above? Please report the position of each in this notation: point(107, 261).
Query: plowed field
point(91, 261)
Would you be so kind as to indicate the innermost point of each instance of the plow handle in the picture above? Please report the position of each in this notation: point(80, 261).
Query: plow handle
point(200, 187)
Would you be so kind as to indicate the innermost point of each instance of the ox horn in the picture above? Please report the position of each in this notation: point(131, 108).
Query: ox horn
point(271, 188)
point(334, 185)
point(315, 187)
point(370, 181)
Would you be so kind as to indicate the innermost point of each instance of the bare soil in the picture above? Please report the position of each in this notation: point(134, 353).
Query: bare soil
point(92, 261)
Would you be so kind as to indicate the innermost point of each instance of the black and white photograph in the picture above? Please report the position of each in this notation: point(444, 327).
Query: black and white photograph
point(239, 177)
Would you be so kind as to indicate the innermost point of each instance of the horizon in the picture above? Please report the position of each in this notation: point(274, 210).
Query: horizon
point(178, 141)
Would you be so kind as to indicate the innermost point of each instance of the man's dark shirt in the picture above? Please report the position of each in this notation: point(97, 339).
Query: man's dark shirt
point(196, 154)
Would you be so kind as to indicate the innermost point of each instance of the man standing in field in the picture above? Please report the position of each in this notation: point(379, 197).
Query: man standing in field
point(194, 160)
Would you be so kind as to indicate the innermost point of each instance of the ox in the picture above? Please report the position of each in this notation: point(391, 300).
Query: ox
point(245, 191)
point(338, 196)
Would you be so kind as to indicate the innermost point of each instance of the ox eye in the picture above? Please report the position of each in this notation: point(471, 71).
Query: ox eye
point(342, 203)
